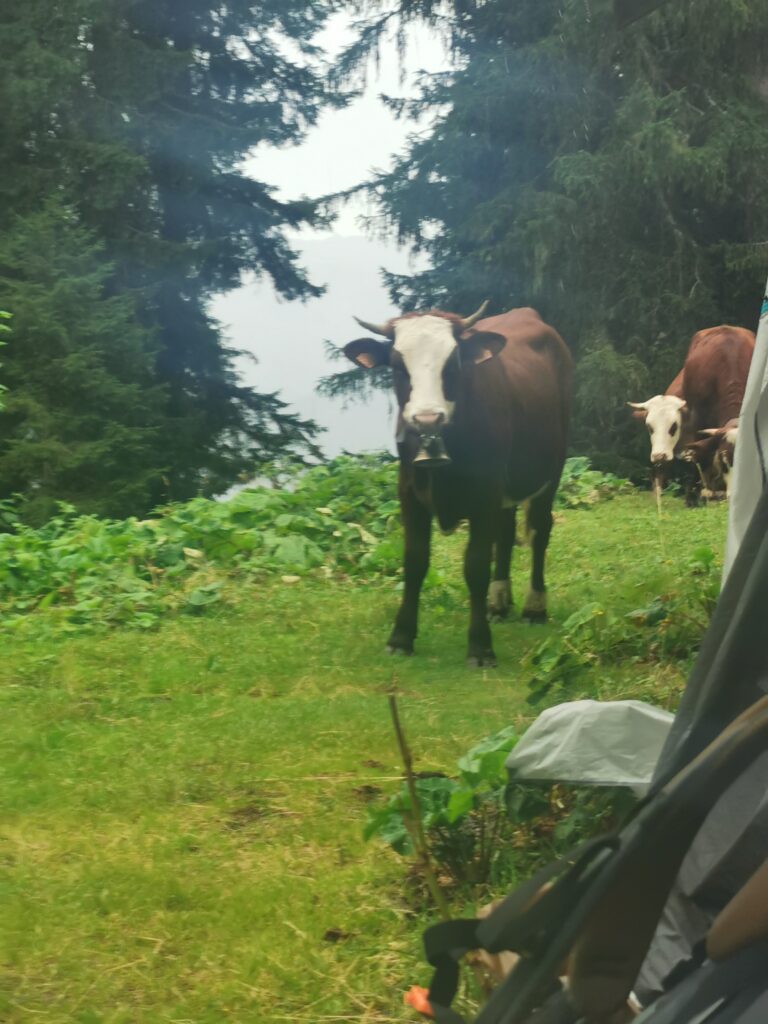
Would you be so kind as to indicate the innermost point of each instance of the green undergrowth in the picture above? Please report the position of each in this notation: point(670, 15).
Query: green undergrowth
point(340, 519)
point(481, 829)
point(335, 519)
point(182, 810)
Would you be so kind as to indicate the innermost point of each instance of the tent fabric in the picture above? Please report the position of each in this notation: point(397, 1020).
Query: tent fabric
point(730, 673)
point(730, 992)
point(594, 743)
point(751, 460)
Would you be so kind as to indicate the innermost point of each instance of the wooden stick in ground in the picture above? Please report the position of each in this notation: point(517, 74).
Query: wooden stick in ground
point(414, 825)
point(416, 831)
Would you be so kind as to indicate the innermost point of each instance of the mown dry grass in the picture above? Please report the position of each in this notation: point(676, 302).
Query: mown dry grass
point(181, 811)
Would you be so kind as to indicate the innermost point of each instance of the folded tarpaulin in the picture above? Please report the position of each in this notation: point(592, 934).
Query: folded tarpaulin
point(588, 742)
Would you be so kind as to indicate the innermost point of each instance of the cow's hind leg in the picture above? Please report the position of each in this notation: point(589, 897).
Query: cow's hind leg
point(540, 528)
point(500, 593)
point(477, 573)
point(417, 526)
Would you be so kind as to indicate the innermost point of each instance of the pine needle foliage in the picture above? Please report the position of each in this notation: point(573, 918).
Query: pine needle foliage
point(83, 419)
point(134, 118)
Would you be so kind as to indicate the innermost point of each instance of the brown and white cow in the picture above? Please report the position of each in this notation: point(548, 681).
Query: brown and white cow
point(484, 409)
point(666, 417)
point(716, 371)
point(696, 419)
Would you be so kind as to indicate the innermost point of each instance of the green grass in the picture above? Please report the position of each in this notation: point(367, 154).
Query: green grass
point(182, 810)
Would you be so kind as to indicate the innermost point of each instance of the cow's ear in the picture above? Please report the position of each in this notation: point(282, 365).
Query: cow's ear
point(482, 345)
point(639, 410)
point(367, 352)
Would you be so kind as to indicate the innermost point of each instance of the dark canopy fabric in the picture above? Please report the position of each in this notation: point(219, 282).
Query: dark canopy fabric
point(628, 11)
point(730, 674)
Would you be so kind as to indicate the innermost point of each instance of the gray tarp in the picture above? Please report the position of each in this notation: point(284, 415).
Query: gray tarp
point(731, 673)
point(589, 742)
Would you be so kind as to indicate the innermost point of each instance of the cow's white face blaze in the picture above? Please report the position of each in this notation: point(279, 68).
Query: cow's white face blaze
point(664, 420)
point(425, 344)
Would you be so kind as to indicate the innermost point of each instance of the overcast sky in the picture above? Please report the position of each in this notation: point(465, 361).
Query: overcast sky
point(347, 144)
point(287, 338)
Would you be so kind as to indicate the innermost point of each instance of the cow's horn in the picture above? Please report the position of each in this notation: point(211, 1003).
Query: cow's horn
point(470, 321)
point(385, 330)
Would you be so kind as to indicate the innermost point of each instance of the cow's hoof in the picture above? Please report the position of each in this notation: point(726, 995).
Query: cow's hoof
point(402, 647)
point(535, 609)
point(496, 615)
point(501, 614)
point(535, 616)
point(499, 601)
point(485, 660)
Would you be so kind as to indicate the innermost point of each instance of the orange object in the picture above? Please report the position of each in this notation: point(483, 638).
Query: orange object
point(417, 998)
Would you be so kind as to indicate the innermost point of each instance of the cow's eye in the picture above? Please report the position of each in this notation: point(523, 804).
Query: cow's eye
point(673, 430)
point(451, 368)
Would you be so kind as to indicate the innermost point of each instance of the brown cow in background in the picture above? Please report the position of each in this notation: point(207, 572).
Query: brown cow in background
point(484, 409)
point(703, 401)
point(716, 371)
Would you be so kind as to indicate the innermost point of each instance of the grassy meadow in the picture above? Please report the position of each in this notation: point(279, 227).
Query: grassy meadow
point(182, 808)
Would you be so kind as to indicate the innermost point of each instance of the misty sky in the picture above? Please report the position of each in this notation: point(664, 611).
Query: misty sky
point(287, 338)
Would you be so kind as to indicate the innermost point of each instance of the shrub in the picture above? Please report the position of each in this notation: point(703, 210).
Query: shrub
point(582, 486)
point(669, 627)
point(115, 572)
point(337, 519)
point(464, 818)
point(482, 830)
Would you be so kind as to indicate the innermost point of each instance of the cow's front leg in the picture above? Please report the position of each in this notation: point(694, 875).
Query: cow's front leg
point(417, 527)
point(477, 573)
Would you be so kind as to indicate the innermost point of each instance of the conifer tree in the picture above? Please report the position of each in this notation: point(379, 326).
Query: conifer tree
point(83, 419)
point(137, 116)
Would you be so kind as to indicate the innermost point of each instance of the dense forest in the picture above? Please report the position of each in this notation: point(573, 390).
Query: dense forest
point(611, 178)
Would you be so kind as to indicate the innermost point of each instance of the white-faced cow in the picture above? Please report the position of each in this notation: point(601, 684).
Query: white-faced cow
point(484, 408)
point(666, 417)
point(716, 371)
